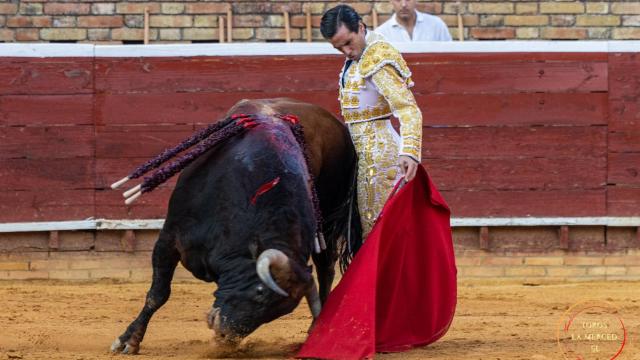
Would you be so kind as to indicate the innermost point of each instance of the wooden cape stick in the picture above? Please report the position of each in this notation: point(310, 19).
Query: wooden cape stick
point(221, 29)
point(287, 29)
point(146, 25)
point(374, 18)
point(229, 24)
point(309, 34)
point(460, 22)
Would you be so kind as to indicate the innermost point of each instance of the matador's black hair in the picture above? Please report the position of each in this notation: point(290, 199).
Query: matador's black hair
point(334, 17)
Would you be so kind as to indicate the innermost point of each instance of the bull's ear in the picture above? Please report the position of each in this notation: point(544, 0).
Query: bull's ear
point(253, 249)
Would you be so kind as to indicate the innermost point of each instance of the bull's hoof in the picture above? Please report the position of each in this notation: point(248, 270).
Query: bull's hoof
point(124, 348)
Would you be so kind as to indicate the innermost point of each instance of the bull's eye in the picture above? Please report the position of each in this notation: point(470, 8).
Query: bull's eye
point(260, 290)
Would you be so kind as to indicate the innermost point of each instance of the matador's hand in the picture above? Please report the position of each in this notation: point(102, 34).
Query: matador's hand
point(408, 166)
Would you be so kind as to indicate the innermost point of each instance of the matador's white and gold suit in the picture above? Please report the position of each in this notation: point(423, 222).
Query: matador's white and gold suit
point(371, 90)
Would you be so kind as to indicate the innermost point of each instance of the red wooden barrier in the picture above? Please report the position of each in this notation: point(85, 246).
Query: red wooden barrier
point(623, 189)
point(506, 134)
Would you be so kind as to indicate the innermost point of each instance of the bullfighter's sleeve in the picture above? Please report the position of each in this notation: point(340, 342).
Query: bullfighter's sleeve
point(395, 90)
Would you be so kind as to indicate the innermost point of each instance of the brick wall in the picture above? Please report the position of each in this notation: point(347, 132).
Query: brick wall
point(187, 21)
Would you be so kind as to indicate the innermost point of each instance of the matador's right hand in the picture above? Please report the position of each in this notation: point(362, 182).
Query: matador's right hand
point(408, 166)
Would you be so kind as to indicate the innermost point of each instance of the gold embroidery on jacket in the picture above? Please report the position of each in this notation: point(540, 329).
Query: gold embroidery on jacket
point(380, 111)
point(404, 107)
point(381, 53)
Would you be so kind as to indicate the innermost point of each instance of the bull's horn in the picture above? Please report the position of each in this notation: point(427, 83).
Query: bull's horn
point(265, 260)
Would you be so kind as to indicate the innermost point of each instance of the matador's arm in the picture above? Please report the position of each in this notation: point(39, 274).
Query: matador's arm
point(395, 90)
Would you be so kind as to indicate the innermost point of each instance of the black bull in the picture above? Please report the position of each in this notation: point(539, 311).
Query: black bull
point(254, 245)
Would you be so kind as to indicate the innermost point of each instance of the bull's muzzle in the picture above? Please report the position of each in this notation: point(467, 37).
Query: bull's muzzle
point(220, 335)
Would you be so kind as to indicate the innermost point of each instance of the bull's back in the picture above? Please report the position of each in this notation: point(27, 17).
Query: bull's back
point(327, 138)
point(222, 176)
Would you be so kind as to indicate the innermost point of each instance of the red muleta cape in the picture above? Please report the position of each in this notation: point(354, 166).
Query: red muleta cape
point(400, 290)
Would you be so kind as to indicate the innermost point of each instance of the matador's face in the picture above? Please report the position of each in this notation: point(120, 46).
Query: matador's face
point(350, 43)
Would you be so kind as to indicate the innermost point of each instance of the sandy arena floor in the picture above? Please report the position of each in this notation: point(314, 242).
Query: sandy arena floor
point(57, 320)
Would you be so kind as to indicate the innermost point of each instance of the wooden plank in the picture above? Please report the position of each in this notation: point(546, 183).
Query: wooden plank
point(47, 175)
point(46, 205)
point(293, 74)
point(514, 109)
point(54, 240)
point(563, 237)
point(110, 170)
point(553, 142)
point(153, 205)
point(188, 108)
point(178, 109)
point(510, 77)
point(624, 114)
point(627, 140)
point(623, 201)
point(526, 203)
point(52, 142)
point(220, 74)
point(499, 58)
point(46, 76)
point(624, 169)
point(138, 141)
point(484, 238)
point(518, 173)
point(532, 239)
point(546, 221)
point(46, 109)
point(624, 84)
point(622, 239)
point(624, 69)
point(129, 240)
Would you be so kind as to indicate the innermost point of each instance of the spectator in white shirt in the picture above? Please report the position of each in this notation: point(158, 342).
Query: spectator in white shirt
point(408, 24)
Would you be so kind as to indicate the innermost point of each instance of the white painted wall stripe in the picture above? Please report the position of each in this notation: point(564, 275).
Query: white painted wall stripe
point(156, 224)
point(46, 50)
point(624, 46)
point(302, 48)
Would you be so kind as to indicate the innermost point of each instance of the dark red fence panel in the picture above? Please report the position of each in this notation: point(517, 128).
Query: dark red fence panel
point(506, 134)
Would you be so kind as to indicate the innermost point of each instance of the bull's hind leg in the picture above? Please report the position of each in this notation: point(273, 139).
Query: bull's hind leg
point(165, 259)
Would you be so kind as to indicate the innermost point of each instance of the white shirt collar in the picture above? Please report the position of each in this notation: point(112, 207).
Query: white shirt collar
point(419, 18)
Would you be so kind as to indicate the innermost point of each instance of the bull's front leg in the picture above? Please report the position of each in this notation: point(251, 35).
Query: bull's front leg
point(165, 259)
point(325, 270)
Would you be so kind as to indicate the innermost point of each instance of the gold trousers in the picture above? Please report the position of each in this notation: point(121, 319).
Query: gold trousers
point(377, 145)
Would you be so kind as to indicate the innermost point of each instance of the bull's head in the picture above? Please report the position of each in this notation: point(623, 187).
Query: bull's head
point(275, 288)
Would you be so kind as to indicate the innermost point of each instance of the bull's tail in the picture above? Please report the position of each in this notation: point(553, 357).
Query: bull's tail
point(341, 226)
point(353, 234)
